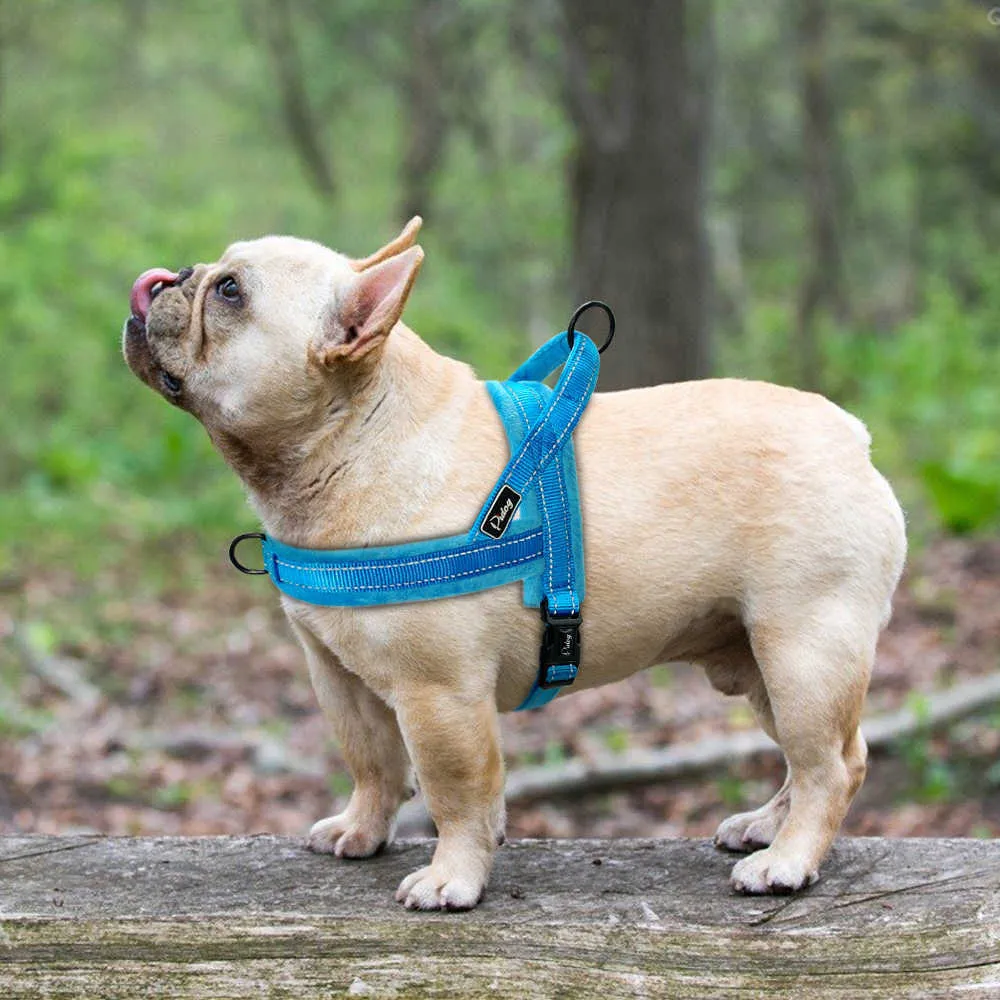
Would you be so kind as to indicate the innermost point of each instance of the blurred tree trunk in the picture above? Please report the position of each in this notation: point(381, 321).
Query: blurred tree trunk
point(423, 92)
point(299, 121)
point(822, 283)
point(3, 53)
point(442, 89)
point(638, 88)
point(14, 28)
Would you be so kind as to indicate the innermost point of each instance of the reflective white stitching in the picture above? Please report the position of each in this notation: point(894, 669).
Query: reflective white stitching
point(569, 533)
point(408, 563)
point(579, 406)
point(417, 583)
point(546, 521)
point(581, 403)
point(405, 562)
point(537, 429)
point(565, 510)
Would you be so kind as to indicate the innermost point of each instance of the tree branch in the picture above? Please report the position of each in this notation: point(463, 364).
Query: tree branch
point(822, 283)
point(616, 772)
point(299, 121)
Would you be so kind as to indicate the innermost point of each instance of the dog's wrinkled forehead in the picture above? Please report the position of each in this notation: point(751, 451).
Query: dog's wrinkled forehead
point(282, 265)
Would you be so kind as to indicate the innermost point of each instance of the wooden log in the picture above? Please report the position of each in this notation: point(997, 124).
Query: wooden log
point(261, 916)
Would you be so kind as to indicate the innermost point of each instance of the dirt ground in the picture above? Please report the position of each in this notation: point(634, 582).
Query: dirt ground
point(127, 713)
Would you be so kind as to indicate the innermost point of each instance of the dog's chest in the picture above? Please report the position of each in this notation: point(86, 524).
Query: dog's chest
point(367, 641)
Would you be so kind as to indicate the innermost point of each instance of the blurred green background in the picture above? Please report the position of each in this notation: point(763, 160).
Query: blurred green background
point(134, 134)
point(798, 190)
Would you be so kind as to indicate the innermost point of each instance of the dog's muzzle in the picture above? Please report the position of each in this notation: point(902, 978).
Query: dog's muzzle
point(145, 288)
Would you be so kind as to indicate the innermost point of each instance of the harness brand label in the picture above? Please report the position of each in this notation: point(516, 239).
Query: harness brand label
point(501, 511)
point(566, 643)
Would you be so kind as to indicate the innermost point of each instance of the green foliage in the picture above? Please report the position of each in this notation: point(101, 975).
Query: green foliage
point(109, 167)
point(912, 343)
point(732, 791)
point(15, 719)
point(932, 778)
point(617, 739)
point(133, 135)
point(340, 784)
point(965, 501)
point(929, 394)
point(82, 449)
point(948, 765)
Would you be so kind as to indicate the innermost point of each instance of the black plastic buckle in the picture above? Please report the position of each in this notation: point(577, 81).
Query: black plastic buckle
point(559, 657)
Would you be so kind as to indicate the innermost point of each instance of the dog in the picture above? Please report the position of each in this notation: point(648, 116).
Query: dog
point(735, 524)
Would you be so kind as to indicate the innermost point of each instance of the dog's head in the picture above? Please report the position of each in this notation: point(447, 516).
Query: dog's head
point(275, 334)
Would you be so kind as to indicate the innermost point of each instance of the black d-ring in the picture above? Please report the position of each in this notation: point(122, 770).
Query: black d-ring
point(232, 553)
point(571, 329)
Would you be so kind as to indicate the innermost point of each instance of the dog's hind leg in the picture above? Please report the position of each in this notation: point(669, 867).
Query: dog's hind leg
point(816, 672)
point(372, 745)
point(750, 831)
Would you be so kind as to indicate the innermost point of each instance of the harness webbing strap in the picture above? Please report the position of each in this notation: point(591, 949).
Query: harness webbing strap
point(392, 574)
point(536, 537)
point(560, 582)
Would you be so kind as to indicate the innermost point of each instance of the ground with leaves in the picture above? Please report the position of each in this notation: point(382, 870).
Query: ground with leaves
point(189, 712)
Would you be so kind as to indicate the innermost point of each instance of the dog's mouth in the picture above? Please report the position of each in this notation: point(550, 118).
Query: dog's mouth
point(147, 286)
point(140, 354)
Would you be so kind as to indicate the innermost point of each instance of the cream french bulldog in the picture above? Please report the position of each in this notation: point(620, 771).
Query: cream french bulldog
point(735, 524)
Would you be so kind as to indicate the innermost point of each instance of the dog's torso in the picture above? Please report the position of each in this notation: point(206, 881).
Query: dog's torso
point(701, 502)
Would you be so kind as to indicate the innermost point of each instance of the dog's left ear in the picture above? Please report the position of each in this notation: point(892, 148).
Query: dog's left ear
point(402, 242)
point(367, 308)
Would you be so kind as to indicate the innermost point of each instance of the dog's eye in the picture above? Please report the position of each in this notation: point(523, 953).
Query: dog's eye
point(228, 288)
point(170, 383)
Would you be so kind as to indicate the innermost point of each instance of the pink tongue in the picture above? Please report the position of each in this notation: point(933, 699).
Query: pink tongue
point(142, 289)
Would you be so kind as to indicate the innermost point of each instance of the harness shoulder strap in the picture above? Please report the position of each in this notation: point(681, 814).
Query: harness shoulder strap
point(558, 590)
point(458, 564)
point(529, 529)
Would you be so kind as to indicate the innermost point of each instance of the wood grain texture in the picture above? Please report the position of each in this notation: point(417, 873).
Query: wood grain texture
point(260, 916)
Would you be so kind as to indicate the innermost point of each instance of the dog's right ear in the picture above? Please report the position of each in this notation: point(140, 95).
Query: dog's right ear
point(366, 309)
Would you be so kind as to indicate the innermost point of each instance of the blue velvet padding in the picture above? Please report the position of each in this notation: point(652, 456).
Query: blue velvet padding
point(542, 544)
point(393, 574)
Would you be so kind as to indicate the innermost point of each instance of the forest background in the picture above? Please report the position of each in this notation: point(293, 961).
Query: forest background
point(800, 191)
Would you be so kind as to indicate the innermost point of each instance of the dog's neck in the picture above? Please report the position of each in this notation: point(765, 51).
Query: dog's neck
point(359, 474)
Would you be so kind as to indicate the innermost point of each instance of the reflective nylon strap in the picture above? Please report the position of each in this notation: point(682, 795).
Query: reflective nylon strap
point(562, 573)
point(569, 399)
point(541, 542)
point(416, 571)
point(459, 564)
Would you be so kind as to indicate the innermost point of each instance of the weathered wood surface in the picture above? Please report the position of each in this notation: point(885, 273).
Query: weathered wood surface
point(260, 916)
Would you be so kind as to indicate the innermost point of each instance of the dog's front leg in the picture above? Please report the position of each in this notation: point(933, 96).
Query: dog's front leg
point(370, 740)
point(454, 741)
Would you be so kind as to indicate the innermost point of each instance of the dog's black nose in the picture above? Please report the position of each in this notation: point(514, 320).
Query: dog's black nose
point(183, 274)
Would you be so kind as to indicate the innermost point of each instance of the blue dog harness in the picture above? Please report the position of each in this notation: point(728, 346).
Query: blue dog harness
point(529, 529)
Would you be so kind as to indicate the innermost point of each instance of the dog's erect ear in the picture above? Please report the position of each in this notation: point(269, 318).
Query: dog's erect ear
point(365, 310)
point(402, 242)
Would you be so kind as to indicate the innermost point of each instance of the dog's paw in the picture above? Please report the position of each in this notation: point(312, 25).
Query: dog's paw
point(748, 831)
point(770, 873)
point(345, 837)
point(437, 888)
